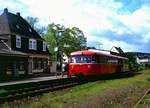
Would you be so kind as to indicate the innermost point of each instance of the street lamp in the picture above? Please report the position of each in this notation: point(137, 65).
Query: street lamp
point(65, 60)
point(57, 49)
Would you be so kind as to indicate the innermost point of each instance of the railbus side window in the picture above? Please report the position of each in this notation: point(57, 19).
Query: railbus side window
point(125, 61)
point(94, 60)
point(113, 60)
point(103, 60)
point(120, 61)
point(109, 61)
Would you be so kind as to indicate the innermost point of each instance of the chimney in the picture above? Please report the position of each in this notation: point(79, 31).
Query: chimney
point(5, 10)
point(18, 13)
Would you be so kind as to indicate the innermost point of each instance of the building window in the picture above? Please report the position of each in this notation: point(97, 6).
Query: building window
point(18, 41)
point(37, 64)
point(32, 44)
point(30, 30)
point(44, 64)
point(44, 46)
point(17, 26)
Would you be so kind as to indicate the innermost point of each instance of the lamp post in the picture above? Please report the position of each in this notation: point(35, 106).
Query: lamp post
point(58, 50)
point(65, 61)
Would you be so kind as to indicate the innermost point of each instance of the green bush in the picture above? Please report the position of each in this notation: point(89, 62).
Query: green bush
point(141, 67)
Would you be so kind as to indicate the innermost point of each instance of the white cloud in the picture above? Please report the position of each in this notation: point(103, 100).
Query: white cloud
point(88, 16)
point(108, 44)
point(138, 20)
point(91, 15)
point(58, 11)
point(13, 7)
point(146, 37)
point(98, 16)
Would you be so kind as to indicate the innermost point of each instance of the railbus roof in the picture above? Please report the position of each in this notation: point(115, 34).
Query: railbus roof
point(96, 52)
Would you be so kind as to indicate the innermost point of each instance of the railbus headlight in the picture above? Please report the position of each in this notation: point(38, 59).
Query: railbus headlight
point(89, 66)
point(72, 66)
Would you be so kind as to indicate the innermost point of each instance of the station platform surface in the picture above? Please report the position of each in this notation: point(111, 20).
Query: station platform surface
point(36, 79)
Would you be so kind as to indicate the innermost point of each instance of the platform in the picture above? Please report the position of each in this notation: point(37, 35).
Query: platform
point(29, 80)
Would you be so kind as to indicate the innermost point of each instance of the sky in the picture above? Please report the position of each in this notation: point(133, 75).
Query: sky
point(105, 23)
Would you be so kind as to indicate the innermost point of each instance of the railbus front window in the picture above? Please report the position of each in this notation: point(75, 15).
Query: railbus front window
point(76, 59)
point(82, 59)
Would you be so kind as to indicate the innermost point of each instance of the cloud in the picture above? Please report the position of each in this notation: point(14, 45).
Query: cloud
point(118, 22)
point(13, 6)
point(137, 20)
point(132, 29)
point(146, 37)
point(107, 44)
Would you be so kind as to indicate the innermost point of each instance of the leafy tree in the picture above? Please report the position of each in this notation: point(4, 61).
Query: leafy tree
point(65, 39)
point(133, 65)
point(50, 37)
point(33, 21)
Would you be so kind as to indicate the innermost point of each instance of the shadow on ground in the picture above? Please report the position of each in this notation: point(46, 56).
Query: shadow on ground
point(108, 76)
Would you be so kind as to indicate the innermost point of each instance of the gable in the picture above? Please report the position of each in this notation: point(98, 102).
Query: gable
point(117, 50)
point(114, 50)
point(15, 24)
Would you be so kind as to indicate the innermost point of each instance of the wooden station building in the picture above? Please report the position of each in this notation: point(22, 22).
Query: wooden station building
point(22, 49)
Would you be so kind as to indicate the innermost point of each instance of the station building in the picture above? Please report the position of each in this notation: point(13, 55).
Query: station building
point(22, 49)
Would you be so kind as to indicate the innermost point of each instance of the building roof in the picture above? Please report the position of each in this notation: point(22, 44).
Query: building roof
point(2, 45)
point(14, 23)
point(5, 50)
point(117, 50)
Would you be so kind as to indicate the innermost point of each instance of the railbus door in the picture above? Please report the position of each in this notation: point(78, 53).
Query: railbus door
point(120, 65)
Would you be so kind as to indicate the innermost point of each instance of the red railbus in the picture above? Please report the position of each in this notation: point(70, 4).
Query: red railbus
point(96, 62)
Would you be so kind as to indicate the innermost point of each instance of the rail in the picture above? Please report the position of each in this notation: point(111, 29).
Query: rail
point(37, 90)
point(140, 100)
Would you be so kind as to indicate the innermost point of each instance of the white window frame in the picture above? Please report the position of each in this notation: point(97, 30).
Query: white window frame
point(44, 46)
point(32, 44)
point(18, 41)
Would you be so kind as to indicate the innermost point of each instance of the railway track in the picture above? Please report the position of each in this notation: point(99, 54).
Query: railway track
point(37, 90)
point(47, 86)
point(142, 98)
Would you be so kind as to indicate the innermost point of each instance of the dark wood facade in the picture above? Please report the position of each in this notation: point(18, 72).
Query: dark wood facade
point(22, 49)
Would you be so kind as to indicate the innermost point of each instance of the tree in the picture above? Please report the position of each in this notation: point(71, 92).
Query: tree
point(65, 39)
point(33, 21)
point(50, 37)
point(133, 65)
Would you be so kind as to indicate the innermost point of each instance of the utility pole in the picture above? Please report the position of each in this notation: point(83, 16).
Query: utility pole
point(58, 34)
point(99, 44)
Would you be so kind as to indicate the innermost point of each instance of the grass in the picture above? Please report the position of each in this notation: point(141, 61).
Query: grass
point(2, 91)
point(114, 93)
